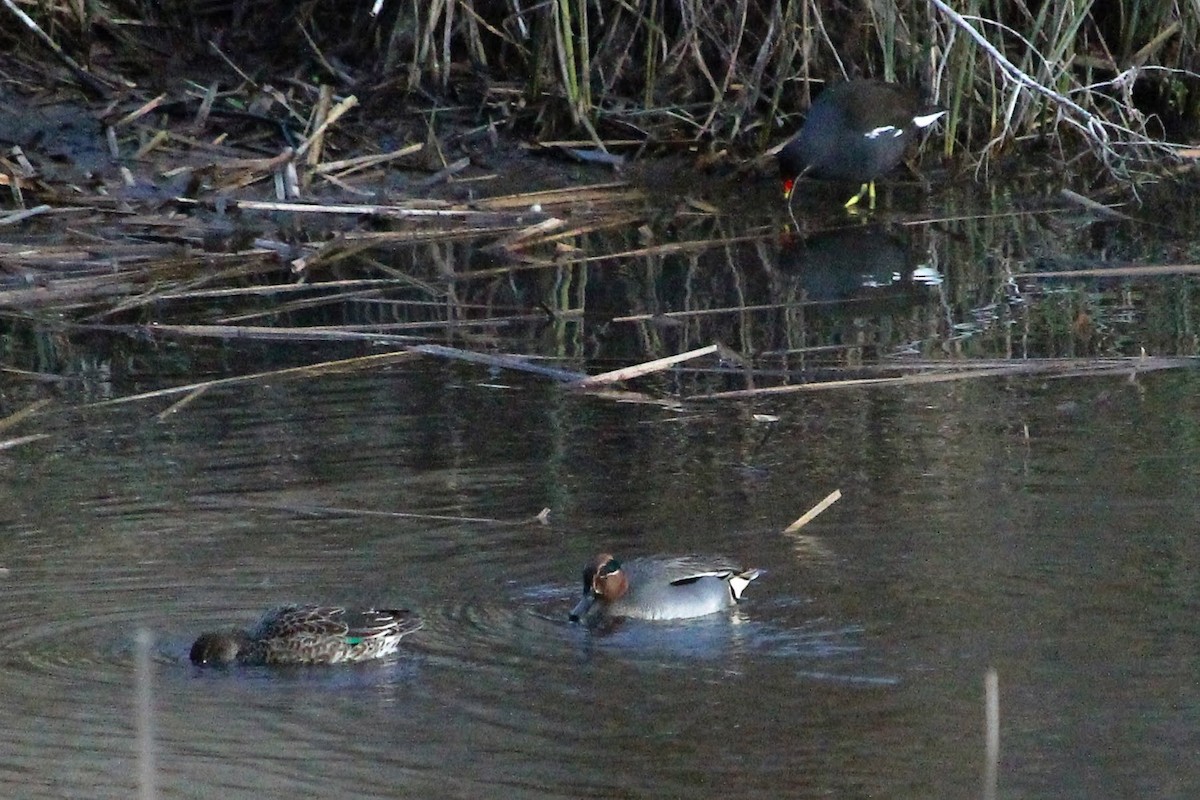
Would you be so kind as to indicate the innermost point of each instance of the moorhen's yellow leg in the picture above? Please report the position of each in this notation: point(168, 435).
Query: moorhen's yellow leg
point(862, 191)
point(867, 189)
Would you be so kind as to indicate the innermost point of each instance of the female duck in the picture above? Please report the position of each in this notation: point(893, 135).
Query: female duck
point(309, 635)
point(660, 587)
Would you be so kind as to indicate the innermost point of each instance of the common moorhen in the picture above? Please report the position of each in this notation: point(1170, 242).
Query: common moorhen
point(855, 131)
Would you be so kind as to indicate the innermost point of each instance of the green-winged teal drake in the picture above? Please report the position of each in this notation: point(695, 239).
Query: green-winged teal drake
point(660, 587)
point(855, 131)
point(309, 635)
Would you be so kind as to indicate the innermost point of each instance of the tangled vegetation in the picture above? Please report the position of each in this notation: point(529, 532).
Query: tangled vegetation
point(1100, 85)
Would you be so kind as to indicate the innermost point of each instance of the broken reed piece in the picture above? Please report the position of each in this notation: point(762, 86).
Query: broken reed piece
point(829, 500)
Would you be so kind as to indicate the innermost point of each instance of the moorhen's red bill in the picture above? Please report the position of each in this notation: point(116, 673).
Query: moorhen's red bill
point(855, 131)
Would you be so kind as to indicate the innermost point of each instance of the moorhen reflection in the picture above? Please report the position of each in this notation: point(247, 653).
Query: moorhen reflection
point(852, 263)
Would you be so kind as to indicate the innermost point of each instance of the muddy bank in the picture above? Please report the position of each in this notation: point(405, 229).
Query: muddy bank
point(200, 216)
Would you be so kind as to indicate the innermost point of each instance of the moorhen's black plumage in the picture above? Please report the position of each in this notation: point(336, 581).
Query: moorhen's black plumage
point(855, 131)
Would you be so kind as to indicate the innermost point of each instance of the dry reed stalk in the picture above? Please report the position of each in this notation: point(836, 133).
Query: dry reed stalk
point(144, 683)
point(89, 81)
point(441, 304)
point(269, 164)
point(318, 135)
point(21, 216)
point(646, 368)
point(562, 259)
point(1119, 146)
point(517, 363)
point(991, 726)
point(616, 192)
point(708, 312)
point(1098, 208)
point(658, 71)
point(229, 62)
point(327, 254)
point(1130, 271)
point(447, 325)
point(200, 121)
point(1056, 365)
point(26, 412)
point(815, 511)
point(215, 148)
point(151, 145)
point(447, 172)
point(145, 108)
point(314, 333)
point(535, 236)
point(50, 256)
point(406, 211)
point(571, 144)
point(541, 517)
point(634, 398)
point(44, 377)
point(349, 166)
point(693, 246)
point(358, 243)
point(25, 167)
point(301, 305)
point(811, 350)
point(529, 235)
point(180, 404)
point(247, 266)
point(1075, 368)
point(322, 368)
point(7, 444)
point(320, 114)
point(338, 74)
point(1020, 213)
point(68, 291)
point(348, 188)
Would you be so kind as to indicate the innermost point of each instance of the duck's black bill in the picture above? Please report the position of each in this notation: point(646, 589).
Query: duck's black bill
point(582, 608)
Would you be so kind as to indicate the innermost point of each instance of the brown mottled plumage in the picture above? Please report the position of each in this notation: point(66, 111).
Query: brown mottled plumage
point(309, 635)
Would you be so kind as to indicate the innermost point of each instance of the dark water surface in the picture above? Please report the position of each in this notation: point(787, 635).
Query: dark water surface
point(1065, 557)
point(1042, 525)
